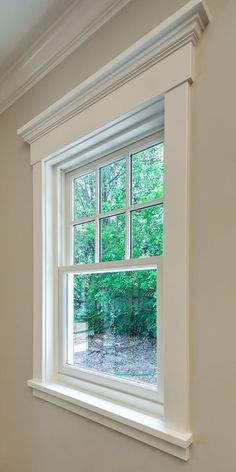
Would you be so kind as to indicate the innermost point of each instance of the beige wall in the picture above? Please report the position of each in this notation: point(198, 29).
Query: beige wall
point(38, 437)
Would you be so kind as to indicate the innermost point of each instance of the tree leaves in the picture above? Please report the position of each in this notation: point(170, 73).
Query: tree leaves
point(122, 302)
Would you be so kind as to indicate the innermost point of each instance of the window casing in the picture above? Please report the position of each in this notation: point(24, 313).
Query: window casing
point(122, 102)
point(151, 417)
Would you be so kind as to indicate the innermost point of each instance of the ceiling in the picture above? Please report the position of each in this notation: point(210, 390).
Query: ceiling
point(36, 35)
point(22, 22)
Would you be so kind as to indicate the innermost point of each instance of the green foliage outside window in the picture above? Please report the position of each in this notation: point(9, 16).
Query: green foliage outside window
point(122, 302)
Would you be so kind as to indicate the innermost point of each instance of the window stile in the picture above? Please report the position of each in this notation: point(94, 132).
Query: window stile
point(97, 209)
point(69, 210)
point(127, 214)
point(160, 339)
point(69, 320)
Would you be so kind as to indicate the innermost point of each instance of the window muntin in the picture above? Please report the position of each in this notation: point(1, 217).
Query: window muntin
point(97, 235)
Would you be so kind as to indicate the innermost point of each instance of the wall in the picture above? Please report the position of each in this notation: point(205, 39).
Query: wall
point(38, 437)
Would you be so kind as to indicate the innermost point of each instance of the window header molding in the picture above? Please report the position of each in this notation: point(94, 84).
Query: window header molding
point(181, 29)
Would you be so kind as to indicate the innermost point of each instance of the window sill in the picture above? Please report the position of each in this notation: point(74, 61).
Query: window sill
point(143, 427)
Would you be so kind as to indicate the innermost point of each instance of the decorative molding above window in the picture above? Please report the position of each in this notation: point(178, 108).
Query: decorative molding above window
point(185, 27)
point(80, 21)
point(145, 90)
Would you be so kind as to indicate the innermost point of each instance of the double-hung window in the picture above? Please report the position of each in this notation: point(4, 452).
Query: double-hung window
point(111, 297)
point(111, 239)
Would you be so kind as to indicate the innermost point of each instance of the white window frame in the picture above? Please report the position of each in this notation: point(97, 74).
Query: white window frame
point(154, 393)
point(118, 103)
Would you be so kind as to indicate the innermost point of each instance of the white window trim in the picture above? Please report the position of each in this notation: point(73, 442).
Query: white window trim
point(154, 393)
point(119, 100)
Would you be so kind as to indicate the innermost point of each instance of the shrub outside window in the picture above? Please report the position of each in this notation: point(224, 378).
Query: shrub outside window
point(114, 247)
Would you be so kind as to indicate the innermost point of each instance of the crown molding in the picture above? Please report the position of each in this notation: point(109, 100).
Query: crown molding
point(184, 27)
point(82, 19)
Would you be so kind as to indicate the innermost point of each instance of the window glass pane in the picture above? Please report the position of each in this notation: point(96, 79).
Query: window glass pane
point(113, 186)
point(112, 238)
point(147, 174)
point(113, 328)
point(84, 243)
point(84, 196)
point(147, 231)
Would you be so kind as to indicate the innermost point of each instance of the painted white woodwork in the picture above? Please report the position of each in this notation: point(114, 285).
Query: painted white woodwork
point(176, 243)
point(182, 28)
point(144, 428)
point(143, 90)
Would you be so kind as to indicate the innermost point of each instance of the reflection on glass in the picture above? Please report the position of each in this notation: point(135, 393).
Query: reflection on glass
point(147, 231)
point(112, 238)
point(113, 186)
point(84, 243)
point(84, 196)
point(114, 324)
point(147, 174)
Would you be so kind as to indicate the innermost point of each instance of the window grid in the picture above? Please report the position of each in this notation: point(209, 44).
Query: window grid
point(99, 215)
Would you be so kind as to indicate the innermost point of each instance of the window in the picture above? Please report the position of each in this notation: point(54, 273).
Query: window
point(111, 124)
point(112, 280)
